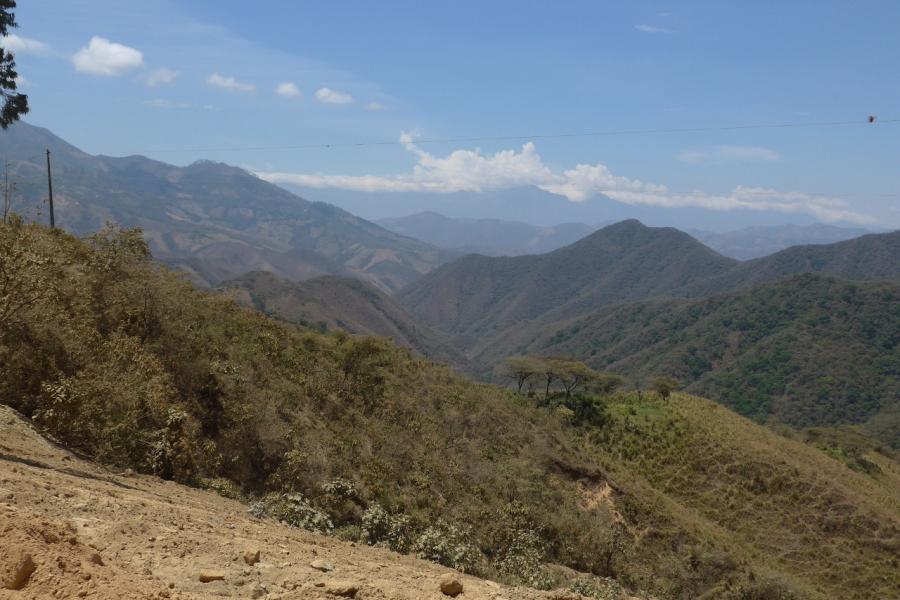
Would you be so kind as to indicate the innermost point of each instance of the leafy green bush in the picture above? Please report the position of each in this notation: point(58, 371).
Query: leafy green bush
point(450, 545)
point(379, 527)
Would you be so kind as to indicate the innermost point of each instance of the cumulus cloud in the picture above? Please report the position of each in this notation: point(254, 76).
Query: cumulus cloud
point(720, 154)
point(288, 90)
point(23, 45)
point(650, 28)
point(374, 106)
point(161, 76)
point(104, 58)
point(229, 83)
point(473, 171)
point(330, 96)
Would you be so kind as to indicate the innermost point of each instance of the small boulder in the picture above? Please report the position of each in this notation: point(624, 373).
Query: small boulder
point(251, 557)
point(344, 589)
point(451, 586)
point(321, 565)
point(15, 570)
point(207, 576)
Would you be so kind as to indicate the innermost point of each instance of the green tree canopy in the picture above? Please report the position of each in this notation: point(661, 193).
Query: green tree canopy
point(14, 103)
point(664, 386)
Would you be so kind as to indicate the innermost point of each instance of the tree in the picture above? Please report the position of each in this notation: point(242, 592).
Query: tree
point(664, 386)
point(572, 374)
point(14, 103)
point(520, 369)
point(606, 383)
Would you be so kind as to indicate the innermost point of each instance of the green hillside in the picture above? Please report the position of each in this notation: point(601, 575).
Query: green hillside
point(869, 257)
point(681, 499)
point(809, 351)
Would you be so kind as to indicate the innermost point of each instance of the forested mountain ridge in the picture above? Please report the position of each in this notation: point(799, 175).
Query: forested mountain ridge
point(871, 257)
point(479, 296)
point(808, 351)
point(214, 220)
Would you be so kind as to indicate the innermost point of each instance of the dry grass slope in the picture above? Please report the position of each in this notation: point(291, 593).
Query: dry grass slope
point(127, 362)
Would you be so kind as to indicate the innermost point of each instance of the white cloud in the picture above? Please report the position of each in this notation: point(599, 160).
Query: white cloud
point(288, 90)
point(23, 45)
point(374, 106)
point(472, 171)
point(104, 58)
point(161, 76)
point(329, 96)
point(651, 28)
point(229, 83)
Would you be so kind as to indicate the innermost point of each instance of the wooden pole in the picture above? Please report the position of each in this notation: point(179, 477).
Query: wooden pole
point(50, 190)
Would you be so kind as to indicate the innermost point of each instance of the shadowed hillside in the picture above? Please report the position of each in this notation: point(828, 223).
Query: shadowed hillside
point(329, 303)
point(481, 296)
point(214, 220)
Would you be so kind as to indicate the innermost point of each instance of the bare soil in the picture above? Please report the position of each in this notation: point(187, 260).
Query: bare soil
point(72, 529)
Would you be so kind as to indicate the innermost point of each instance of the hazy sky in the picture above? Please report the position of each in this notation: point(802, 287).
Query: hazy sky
point(195, 79)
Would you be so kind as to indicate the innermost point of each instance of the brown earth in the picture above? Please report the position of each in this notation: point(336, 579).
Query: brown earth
point(92, 533)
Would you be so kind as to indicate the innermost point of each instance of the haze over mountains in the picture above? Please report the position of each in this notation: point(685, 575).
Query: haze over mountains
point(211, 219)
point(493, 237)
point(540, 208)
point(498, 237)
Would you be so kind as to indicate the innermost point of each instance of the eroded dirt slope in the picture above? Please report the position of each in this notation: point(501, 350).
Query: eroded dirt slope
point(71, 529)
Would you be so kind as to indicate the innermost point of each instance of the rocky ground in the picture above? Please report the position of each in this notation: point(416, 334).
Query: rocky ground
point(72, 529)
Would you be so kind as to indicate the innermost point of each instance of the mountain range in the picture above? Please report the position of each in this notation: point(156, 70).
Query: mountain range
point(223, 224)
point(492, 237)
point(213, 220)
point(759, 241)
point(812, 350)
point(499, 237)
point(537, 207)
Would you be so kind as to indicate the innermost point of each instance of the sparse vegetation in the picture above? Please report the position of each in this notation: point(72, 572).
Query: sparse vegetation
point(129, 363)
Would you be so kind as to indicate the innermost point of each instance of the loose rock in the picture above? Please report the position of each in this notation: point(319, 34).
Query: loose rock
point(345, 589)
point(321, 565)
point(451, 586)
point(16, 570)
point(251, 557)
point(207, 576)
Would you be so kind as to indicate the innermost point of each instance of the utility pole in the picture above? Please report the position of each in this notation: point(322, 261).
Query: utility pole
point(50, 190)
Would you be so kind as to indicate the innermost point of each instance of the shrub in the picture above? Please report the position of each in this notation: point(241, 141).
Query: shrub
point(295, 510)
point(379, 527)
point(450, 545)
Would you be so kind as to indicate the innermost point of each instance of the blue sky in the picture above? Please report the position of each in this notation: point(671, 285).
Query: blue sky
point(179, 81)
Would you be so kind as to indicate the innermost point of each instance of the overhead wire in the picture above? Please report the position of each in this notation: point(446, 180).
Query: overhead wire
point(505, 138)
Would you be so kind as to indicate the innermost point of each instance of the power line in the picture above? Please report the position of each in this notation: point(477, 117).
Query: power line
point(505, 138)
